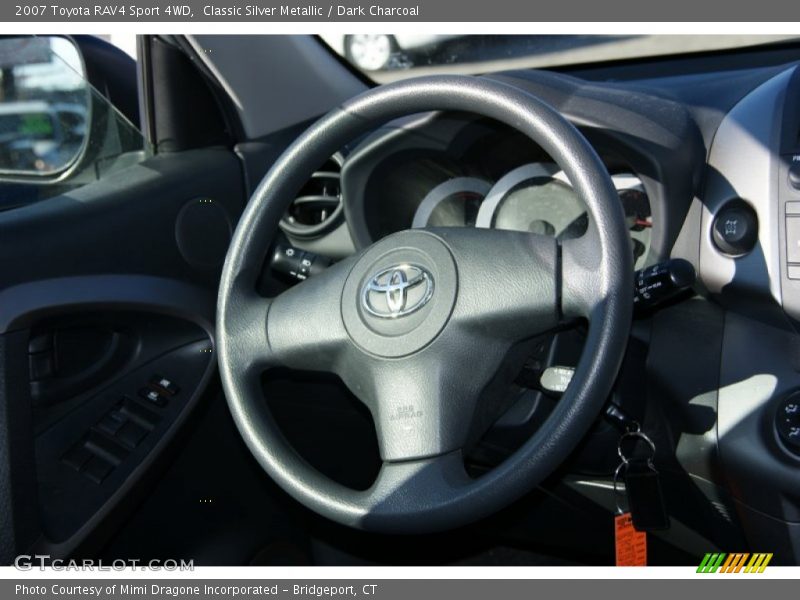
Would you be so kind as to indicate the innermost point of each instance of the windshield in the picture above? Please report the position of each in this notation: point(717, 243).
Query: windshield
point(385, 57)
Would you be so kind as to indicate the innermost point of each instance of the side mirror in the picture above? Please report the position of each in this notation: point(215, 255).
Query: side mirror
point(45, 107)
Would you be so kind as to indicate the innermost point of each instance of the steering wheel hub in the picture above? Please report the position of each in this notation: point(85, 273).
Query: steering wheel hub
point(400, 294)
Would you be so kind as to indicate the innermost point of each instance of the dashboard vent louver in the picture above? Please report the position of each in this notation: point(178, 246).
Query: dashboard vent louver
point(318, 206)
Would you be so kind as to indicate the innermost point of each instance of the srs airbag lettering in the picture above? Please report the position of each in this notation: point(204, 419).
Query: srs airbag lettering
point(405, 412)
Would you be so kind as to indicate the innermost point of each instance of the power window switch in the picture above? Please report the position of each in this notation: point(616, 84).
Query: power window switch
point(97, 469)
point(138, 413)
point(112, 422)
point(165, 384)
point(153, 397)
point(106, 448)
point(77, 456)
point(131, 434)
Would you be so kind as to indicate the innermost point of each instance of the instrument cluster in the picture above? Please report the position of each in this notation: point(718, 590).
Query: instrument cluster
point(535, 197)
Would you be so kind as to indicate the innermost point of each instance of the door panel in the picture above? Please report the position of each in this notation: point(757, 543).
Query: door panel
point(105, 292)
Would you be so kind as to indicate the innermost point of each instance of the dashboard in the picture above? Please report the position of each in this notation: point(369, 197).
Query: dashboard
point(702, 163)
point(453, 170)
point(695, 151)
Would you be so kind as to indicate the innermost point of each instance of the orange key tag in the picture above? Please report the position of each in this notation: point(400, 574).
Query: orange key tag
point(631, 545)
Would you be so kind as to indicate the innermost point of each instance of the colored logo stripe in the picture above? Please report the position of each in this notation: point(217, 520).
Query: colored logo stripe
point(711, 562)
point(734, 563)
point(758, 563)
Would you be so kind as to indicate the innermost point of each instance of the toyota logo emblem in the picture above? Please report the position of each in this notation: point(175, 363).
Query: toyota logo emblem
point(397, 291)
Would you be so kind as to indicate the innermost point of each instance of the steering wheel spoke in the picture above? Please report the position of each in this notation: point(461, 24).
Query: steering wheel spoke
point(423, 405)
point(245, 323)
point(304, 324)
point(508, 282)
point(581, 277)
point(587, 286)
point(414, 487)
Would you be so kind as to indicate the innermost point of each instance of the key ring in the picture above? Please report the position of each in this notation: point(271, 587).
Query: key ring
point(617, 491)
point(635, 434)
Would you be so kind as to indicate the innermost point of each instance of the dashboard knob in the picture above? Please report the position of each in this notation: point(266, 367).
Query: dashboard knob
point(794, 175)
point(735, 228)
point(787, 421)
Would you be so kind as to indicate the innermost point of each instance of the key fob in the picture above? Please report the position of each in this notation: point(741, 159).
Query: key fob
point(645, 498)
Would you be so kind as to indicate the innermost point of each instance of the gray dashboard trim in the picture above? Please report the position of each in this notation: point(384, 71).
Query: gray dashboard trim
point(263, 106)
point(743, 163)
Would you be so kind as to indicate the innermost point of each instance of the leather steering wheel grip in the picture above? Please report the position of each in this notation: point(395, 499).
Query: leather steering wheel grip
point(422, 375)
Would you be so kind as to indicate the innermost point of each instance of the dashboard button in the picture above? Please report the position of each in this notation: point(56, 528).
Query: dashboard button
point(793, 239)
point(735, 229)
point(787, 422)
point(794, 175)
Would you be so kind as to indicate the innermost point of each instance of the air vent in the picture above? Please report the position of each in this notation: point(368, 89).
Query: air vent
point(318, 206)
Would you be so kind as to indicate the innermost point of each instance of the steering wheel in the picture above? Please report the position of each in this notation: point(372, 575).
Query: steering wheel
point(419, 324)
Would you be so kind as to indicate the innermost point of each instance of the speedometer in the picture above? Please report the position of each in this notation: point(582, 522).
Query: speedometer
point(531, 198)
